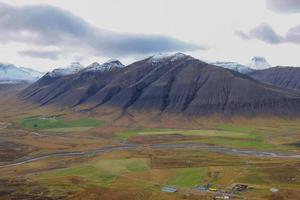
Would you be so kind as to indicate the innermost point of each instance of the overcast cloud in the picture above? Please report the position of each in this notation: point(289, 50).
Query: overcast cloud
point(47, 34)
point(52, 55)
point(51, 26)
point(284, 6)
point(266, 33)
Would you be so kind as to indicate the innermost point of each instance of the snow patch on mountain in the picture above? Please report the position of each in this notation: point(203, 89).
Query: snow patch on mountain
point(233, 66)
point(73, 68)
point(107, 66)
point(259, 63)
point(165, 56)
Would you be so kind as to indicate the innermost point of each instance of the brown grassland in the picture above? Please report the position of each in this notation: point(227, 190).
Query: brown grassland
point(132, 155)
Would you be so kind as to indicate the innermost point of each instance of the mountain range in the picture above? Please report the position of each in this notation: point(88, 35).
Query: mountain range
point(10, 73)
point(175, 83)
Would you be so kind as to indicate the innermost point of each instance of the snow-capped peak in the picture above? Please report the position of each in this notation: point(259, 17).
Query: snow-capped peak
point(233, 66)
point(259, 63)
point(12, 73)
point(166, 56)
point(109, 65)
point(112, 63)
point(93, 67)
point(73, 68)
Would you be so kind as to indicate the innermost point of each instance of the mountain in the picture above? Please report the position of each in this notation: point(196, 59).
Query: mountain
point(109, 65)
point(168, 84)
point(259, 63)
point(286, 77)
point(234, 66)
point(73, 68)
point(10, 73)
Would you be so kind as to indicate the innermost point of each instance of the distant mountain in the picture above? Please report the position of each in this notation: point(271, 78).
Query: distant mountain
point(259, 63)
point(234, 66)
point(73, 68)
point(168, 84)
point(286, 77)
point(10, 73)
point(107, 66)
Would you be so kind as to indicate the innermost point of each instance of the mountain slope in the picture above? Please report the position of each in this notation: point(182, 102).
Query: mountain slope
point(10, 73)
point(173, 84)
point(286, 77)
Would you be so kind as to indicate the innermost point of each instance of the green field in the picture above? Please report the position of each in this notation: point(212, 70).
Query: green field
point(227, 135)
point(56, 124)
point(91, 175)
point(204, 133)
point(101, 173)
point(188, 177)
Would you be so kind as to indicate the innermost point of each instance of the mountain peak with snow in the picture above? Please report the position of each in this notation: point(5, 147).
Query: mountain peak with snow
point(112, 63)
point(73, 68)
point(259, 63)
point(107, 66)
point(159, 57)
point(11, 73)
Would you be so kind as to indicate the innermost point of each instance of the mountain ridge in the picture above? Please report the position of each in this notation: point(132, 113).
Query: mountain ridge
point(182, 85)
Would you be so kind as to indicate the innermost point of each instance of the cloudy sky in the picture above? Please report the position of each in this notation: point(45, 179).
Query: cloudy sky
point(45, 34)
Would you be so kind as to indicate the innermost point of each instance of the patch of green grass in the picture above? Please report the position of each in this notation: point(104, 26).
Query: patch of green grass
point(235, 128)
point(257, 143)
point(59, 124)
point(91, 173)
point(188, 177)
point(133, 132)
point(124, 165)
point(204, 133)
point(101, 173)
point(71, 129)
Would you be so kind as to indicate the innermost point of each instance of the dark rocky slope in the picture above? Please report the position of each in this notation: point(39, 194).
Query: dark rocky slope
point(286, 77)
point(176, 84)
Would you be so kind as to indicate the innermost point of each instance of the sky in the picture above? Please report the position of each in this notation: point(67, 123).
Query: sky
point(46, 34)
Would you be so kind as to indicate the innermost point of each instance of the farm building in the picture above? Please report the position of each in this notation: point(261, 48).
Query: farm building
point(169, 189)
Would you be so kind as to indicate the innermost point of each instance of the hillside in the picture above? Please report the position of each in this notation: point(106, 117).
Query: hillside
point(286, 77)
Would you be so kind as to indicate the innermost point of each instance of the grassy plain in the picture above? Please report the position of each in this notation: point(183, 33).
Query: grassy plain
point(57, 124)
point(141, 172)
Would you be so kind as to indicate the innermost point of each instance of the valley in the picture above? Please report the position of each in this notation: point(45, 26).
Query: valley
point(149, 100)
point(161, 128)
point(62, 155)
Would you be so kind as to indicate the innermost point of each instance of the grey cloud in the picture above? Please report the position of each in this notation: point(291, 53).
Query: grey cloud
point(51, 26)
point(293, 35)
point(52, 55)
point(242, 35)
point(284, 6)
point(264, 32)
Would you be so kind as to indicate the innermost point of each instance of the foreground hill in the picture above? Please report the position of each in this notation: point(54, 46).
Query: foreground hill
point(174, 84)
point(286, 77)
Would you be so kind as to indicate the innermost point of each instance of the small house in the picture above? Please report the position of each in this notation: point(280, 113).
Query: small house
point(212, 189)
point(169, 189)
